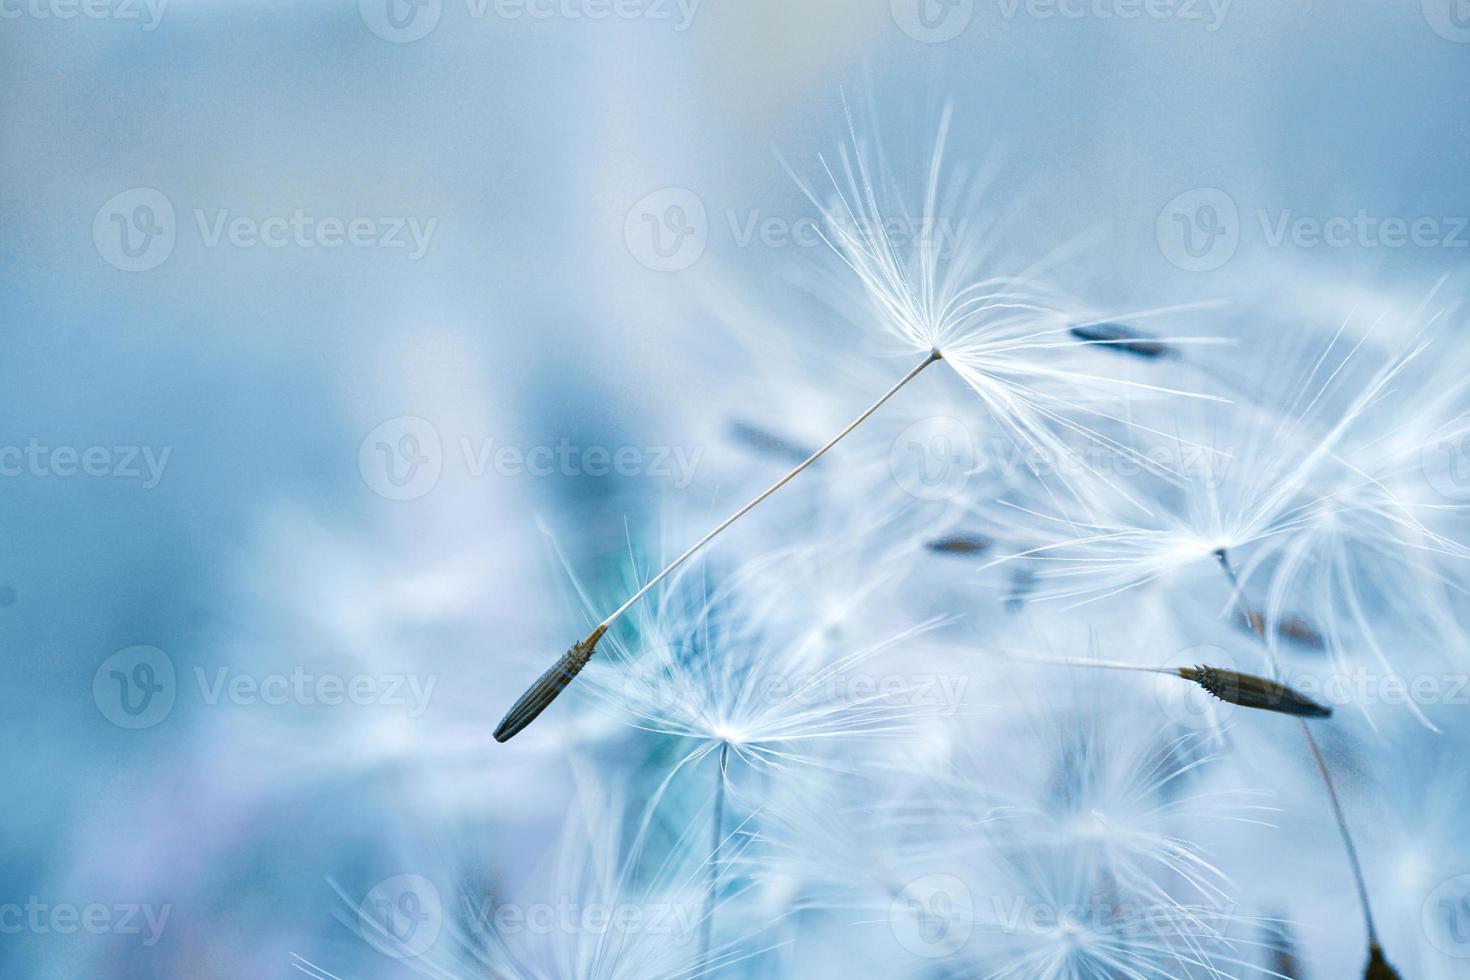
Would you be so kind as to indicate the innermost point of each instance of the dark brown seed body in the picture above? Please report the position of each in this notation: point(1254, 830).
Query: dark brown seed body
point(550, 684)
point(1378, 968)
point(1123, 338)
point(959, 544)
point(1250, 691)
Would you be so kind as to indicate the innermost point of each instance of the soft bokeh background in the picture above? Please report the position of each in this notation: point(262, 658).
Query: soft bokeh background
point(271, 541)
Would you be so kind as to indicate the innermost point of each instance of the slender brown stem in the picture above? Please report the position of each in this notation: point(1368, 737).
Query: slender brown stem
point(1337, 811)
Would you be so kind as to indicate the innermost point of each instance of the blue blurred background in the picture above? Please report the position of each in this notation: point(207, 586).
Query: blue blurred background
point(251, 420)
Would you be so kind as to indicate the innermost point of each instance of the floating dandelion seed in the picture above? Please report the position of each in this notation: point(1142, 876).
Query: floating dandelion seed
point(540, 694)
point(1004, 337)
point(959, 544)
point(1234, 687)
point(1124, 339)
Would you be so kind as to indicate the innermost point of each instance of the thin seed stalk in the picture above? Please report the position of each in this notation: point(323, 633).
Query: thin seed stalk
point(556, 679)
point(1378, 968)
point(717, 824)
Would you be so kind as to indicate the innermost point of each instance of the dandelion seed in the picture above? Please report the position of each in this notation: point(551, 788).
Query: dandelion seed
point(1124, 339)
point(540, 694)
point(1234, 687)
point(1250, 691)
point(959, 544)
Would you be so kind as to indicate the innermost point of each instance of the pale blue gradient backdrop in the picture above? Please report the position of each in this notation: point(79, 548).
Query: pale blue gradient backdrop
point(261, 371)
